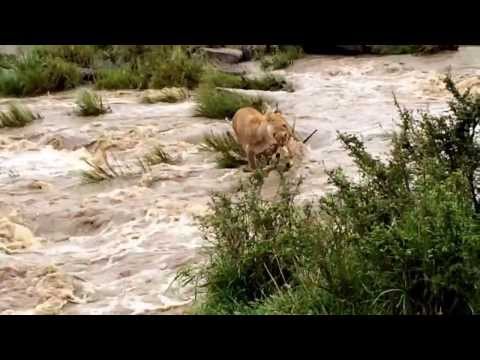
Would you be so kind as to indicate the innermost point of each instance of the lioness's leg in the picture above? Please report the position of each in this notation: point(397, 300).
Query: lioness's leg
point(252, 163)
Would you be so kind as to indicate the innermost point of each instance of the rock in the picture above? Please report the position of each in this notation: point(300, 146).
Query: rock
point(39, 185)
point(227, 55)
point(88, 75)
point(248, 51)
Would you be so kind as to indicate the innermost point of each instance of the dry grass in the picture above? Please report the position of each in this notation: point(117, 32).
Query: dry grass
point(17, 115)
point(167, 95)
point(97, 173)
point(158, 156)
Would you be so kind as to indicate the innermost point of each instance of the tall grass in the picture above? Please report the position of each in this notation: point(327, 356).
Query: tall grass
point(17, 115)
point(32, 75)
point(220, 104)
point(81, 55)
point(173, 67)
point(119, 78)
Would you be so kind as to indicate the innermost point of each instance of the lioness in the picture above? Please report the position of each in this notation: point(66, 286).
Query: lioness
point(257, 132)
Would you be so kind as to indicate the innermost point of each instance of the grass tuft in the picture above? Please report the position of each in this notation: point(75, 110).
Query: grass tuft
point(90, 104)
point(167, 95)
point(97, 173)
point(229, 153)
point(158, 155)
point(17, 115)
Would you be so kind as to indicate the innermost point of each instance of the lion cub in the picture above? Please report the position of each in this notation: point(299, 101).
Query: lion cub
point(257, 132)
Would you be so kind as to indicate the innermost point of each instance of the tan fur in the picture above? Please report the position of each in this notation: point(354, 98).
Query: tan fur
point(258, 133)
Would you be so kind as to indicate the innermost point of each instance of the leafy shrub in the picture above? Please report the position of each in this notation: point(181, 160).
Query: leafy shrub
point(403, 239)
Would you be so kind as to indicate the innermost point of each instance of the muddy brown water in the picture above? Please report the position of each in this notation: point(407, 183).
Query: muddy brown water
point(115, 247)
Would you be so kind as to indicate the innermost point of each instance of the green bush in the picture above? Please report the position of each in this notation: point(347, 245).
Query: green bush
point(172, 66)
point(32, 75)
point(118, 78)
point(403, 239)
point(220, 104)
point(282, 57)
point(7, 60)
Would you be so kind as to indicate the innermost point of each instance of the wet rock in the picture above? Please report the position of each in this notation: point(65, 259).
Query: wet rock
point(88, 75)
point(39, 185)
point(226, 55)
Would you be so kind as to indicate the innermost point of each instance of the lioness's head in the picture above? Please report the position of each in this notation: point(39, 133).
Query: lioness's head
point(280, 129)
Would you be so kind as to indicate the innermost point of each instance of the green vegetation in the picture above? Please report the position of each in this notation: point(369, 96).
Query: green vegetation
point(17, 115)
point(409, 49)
point(81, 55)
point(90, 104)
point(220, 104)
point(118, 78)
point(173, 67)
point(32, 75)
point(167, 95)
point(403, 239)
point(266, 82)
point(281, 57)
point(229, 153)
